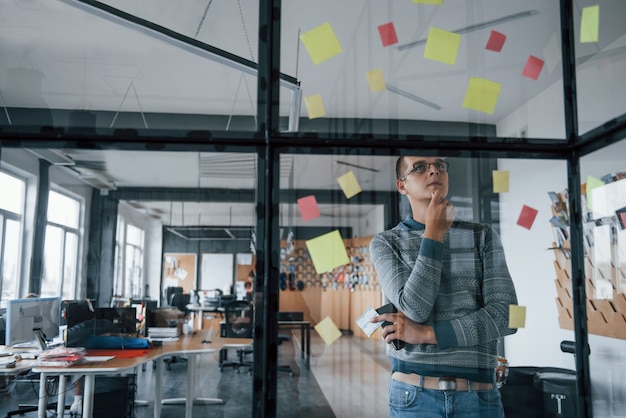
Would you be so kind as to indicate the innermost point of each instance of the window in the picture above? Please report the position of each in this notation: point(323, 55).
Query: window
point(61, 246)
point(11, 212)
point(129, 249)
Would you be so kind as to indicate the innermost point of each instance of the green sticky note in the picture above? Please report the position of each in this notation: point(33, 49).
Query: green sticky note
point(592, 183)
point(327, 329)
point(442, 46)
point(500, 181)
point(321, 43)
point(327, 252)
point(482, 95)
point(428, 1)
point(314, 106)
point(517, 316)
point(589, 24)
point(349, 184)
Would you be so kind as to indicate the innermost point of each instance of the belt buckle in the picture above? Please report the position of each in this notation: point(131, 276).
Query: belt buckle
point(447, 383)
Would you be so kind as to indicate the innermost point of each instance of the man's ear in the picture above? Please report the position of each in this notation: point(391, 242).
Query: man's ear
point(400, 187)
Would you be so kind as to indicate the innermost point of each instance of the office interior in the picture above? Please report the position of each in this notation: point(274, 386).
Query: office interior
point(231, 135)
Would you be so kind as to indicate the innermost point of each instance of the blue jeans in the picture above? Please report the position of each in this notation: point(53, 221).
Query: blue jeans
point(411, 401)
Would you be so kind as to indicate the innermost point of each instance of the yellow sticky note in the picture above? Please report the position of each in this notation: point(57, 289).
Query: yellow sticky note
point(517, 316)
point(376, 80)
point(442, 45)
point(589, 24)
point(349, 184)
point(315, 106)
point(321, 43)
point(428, 1)
point(500, 181)
point(592, 183)
point(482, 95)
point(327, 329)
point(327, 251)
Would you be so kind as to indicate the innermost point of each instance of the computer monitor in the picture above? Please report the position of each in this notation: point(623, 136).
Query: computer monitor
point(25, 317)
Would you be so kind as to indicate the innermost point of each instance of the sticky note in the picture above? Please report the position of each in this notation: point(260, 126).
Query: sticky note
point(589, 24)
point(500, 181)
point(592, 183)
point(533, 67)
point(442, 46)
point(527, 217)
point(349, 184)
point(517, 316)
point(321, 43)
point(388, 35)
point(314, 106)
point(495, 41)
point(428, 1)
point(327, 251)
point(482, 95)
point(327, 329)
point(552, 53)
point(308, 207)
point(376, 80)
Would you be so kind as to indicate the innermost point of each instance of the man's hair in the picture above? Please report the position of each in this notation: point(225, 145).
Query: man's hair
point(400, 167)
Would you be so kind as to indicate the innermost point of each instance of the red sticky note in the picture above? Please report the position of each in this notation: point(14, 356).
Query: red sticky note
point(527, 217)
point(388, 34)
point(533, 67)
point(308, 208)
point(496, 41)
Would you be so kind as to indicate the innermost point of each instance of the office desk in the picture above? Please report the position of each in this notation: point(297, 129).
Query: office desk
point(305, 338)
point(189, 345)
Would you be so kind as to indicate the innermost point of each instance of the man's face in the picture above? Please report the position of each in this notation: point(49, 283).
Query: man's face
point(422, 176)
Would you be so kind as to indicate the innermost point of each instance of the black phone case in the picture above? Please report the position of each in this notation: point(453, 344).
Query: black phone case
point(389, 308)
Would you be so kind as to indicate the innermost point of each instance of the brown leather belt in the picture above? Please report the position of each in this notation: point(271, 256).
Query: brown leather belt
point(440, 383)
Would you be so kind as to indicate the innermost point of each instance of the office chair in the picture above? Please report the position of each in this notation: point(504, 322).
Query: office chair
point(180, 302)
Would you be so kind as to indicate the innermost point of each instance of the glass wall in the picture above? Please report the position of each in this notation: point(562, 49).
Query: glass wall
point(11, 211)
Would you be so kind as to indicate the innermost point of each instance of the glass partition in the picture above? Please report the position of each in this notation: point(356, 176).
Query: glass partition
point(331, 275)
point(449, 68)
point(603, 176)
point(600, 60)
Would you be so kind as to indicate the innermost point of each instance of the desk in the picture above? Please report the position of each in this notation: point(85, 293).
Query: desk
point(199, 310)
point(189, 345)
point(305, 338)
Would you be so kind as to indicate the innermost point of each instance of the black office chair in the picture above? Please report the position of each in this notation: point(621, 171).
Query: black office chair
point(180, 302)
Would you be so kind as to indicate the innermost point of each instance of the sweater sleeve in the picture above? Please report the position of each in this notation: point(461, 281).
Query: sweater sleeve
point(492, 320)
point(413, 289)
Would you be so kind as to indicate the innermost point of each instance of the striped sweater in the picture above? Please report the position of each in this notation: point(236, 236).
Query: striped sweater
point(461, 287)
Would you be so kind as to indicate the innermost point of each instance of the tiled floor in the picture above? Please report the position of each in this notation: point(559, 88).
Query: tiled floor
point(348, 378)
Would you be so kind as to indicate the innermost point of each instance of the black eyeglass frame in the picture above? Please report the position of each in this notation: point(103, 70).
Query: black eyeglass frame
point(441, 166)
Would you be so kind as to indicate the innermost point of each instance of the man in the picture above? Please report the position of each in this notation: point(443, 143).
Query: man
point(449, 281)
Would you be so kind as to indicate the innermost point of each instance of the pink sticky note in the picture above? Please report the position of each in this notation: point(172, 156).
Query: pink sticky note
point(496, 41)
point(308, 208)
point(533, 67)
point(527, 217)
point(388, 34)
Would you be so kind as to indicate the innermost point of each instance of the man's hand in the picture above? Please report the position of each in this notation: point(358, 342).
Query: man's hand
point(440, 214)
point(402, 328)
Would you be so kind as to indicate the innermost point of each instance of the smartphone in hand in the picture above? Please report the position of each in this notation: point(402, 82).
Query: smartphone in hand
point(389, 308)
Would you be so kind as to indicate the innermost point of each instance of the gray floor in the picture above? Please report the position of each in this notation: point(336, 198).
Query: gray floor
point(297, 396)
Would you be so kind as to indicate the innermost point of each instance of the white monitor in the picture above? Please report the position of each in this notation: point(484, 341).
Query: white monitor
point(25, 316)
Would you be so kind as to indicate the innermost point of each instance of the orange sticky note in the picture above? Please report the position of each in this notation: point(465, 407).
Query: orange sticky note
point(527, 217)
point(500, 181)
point(482, 95)
point(321, 43)
point(517, 316)
point(327, 329)
point(315, 106)
point(376, 80)
point(388, 35)
point(349, 184)
point(589, 24)
point(308, 207)
point(327, 251)
point(442, 46)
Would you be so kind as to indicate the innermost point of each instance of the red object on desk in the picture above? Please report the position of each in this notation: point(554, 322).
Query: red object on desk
point(118, 353)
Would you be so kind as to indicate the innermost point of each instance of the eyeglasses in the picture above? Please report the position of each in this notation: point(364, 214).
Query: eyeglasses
point(421, 168)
